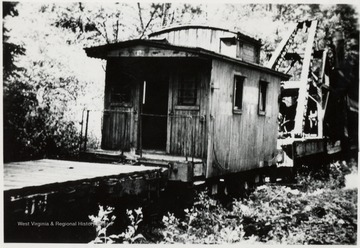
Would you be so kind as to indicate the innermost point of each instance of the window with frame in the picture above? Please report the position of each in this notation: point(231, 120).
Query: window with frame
point(262, 96)
point(187, 90)
point(238, 93)
point(121, 92)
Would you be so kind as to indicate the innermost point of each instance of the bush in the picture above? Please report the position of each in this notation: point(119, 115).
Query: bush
point(105, 219)
point(330, 177)
point(321, 212)
point(36, 123)
point(324, 216)
point(206, 222)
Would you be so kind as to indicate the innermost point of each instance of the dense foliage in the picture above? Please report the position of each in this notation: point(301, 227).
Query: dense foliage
point(35, 118)
point(10, 50)
point(319, 209)
point(41, 89)
point(320, 212)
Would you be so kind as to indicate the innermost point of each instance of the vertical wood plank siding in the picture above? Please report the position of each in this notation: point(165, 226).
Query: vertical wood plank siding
point(118, 124)
point(205, 38)
point(119, 128)
point(186, 129)
point(188, 124)
point(209, 39)
point(241, 141)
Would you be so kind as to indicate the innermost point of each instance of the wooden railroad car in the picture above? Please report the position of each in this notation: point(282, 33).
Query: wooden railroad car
point(192, 98)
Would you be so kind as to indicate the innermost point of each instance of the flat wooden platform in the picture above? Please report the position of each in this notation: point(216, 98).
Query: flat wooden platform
point(18, 175)
point(303, 147)
point(148, 155)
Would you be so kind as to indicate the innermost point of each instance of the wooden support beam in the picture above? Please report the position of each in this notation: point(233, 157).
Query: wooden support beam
point(323, 63)
point(278, 51)
point(303, 86)
point(86, 129)
point(321, 114)
point(321, 106)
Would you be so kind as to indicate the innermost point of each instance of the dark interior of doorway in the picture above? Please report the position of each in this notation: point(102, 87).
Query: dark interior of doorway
point(154, 120)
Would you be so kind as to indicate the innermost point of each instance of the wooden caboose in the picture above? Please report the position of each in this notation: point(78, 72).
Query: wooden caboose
point(193, 98)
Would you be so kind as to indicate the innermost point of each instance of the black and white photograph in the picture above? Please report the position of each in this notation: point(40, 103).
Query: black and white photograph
point(167, 123)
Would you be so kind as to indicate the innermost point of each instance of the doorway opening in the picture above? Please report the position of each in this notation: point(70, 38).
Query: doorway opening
point(154, 114)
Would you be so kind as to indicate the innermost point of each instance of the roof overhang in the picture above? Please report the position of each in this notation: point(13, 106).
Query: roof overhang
point(161, 48)
point(139, 48)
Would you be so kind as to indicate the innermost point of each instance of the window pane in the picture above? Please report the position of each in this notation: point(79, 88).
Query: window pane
point(187, 90)
point(238, 92)
point(121, 92)
point(262, 96)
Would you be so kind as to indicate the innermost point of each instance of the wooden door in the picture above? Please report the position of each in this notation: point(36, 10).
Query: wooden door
point(120, 105)
point(187, 119)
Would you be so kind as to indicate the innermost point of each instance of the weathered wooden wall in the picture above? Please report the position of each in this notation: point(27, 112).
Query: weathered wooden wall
point(249, 53)
point(209, 38)
point(187, 124)
point(240, 142)
point(117, 123)
point(231, 142)
point(205, 38)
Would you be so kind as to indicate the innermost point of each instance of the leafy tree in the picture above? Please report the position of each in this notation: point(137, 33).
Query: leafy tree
point(273, 20)
point(34, 116)
point(39, 100)
point(169, 14)
point(96, 23)
point(10, 50)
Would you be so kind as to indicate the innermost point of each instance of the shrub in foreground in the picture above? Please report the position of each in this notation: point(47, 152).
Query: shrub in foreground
point(321, 212)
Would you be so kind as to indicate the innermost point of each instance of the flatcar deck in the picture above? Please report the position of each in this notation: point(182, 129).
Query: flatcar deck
point(58, 191)
point(36, 173)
